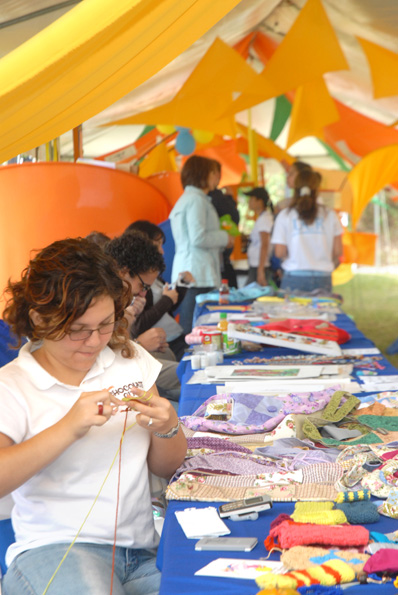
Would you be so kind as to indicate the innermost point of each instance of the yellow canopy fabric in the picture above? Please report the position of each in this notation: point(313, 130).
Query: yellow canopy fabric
point(309, 49)
point(205, 94)
point(383, 67)
point(158, 160)
point(88, 59)
point(370, 175)
point(313, 109)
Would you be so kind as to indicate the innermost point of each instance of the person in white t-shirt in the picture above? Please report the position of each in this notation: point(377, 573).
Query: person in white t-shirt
point(308, 238)
point(258, 251)
point(64, 424)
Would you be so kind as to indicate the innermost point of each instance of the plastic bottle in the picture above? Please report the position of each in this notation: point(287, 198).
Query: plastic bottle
point(224, 292)
point(230, 346)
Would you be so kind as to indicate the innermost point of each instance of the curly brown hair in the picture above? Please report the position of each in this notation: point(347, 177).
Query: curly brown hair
point(59, 284)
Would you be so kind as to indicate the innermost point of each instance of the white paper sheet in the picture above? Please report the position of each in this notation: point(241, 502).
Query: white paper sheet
point(201, 522)
point(372, 380)
point(364, 351)
point(240, 568)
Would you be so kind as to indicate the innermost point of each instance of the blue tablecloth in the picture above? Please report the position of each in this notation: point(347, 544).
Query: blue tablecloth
point(177, 557)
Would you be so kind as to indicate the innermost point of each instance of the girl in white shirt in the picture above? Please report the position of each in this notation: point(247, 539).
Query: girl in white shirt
point(61, 426)
point(308, 238)
point(258, 252)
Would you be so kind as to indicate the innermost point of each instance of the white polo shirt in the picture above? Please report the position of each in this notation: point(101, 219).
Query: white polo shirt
point(51, 506)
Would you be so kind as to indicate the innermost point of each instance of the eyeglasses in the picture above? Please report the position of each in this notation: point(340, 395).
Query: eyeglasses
point(83, 334)
point(145, 286)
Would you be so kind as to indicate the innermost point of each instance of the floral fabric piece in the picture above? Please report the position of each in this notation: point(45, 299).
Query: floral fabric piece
point(256, 413)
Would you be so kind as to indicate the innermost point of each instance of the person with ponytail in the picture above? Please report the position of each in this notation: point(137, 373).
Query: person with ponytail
point(308, 238)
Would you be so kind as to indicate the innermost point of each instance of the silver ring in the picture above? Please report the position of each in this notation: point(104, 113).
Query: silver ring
point(100, 406)
point(150, 421)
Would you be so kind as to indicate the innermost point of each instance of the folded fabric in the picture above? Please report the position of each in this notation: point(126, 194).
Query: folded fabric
point(289, 534)
point(319, 329)
point(331, 431)
point(385, 560)
point(359, 513)
point(339, 406)
point(255, 413)
point(316, 483)
point(320, 513)
point(390, 506)
point(249, 292)
point(303, 557)
point(381, 481)
point(250, 414)
point(358, 455)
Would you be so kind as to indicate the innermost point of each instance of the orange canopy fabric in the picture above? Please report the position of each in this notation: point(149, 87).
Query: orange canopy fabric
point(355, 135)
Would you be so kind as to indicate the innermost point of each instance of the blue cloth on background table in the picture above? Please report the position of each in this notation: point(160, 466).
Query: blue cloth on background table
point(249, 292)
point(179, 578)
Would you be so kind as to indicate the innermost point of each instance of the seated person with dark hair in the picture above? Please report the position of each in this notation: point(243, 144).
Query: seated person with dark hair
point(161, 299)
point(140, 264)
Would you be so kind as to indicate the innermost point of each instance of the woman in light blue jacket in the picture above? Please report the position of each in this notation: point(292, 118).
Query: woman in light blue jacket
point(197, 235)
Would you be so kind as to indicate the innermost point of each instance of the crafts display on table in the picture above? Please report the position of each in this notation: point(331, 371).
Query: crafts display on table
point(289, 427)
point(246, 332)
point(262, 372)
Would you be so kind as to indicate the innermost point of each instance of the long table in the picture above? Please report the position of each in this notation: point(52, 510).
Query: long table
point(177, 558)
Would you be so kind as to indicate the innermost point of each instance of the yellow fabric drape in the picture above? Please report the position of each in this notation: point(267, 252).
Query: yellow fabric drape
point(309, 49)
point(370, 175)
point(313, 108)
point(383, 66)
point(204, 95)
point(158, 160)
point(88, 59)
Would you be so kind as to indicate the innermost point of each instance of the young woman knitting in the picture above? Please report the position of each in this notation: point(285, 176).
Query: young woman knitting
point(61, 427)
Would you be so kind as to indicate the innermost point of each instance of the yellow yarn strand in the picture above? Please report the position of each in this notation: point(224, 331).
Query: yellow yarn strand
point(99, 492)
point(96, 497)
point(89, 512)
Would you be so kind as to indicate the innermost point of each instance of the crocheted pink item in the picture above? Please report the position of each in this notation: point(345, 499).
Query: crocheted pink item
point(291, 534)
point(385, 560)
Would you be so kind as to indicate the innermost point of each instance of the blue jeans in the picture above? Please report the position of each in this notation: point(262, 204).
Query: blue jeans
point(87, 569)
point(306, 281)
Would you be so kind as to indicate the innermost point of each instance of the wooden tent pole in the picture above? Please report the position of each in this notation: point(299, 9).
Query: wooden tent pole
point(77, 142)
